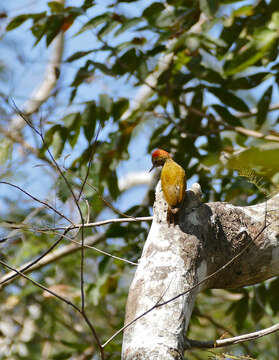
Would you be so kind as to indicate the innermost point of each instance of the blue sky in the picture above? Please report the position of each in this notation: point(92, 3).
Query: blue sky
point(25, 65)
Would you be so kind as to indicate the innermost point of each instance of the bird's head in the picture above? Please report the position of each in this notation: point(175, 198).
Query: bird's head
point(159, 157)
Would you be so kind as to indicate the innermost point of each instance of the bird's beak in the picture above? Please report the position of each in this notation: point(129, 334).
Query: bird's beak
point(153, 166)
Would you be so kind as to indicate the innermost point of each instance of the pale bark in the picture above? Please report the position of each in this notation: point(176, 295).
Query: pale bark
point(176, 258)
point(44, 90)
point(133, 179)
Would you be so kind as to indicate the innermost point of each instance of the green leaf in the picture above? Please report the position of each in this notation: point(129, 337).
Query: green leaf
point(273, 295)
point(226, 115)
point(264, 157)
point(89, 118)
point(274, 23)
point(228, 98)
point(128, 62)
point(82, 74)
point(103, 265)
point(127, 25)
point(152, 12)
point(244, 11)
point(73, 95)
point(116, 231)
point(112, 182)
point(105, 104)
point(258, 303)
point(166, 18)
point(263, 106)
point(5, 150)
point(62, 190)
point(119, 107)
point(73, 137)
point(74, 11)
point(247, 82)
point(39, 30)
point(55, 6)
point(240, 313)
point(58, 141)
point(91, 24)
point(74, 130)
point(109, 286)
point(70, 119)
point(155, 138)
point(262, 42)
point(107, 28)
point(49, 134)
point(56, 137)
point(17, 21)
point(231, 33)
point(209, 7)
point(63, 355)
point(102, 67)
point(207, 74)
point(75, 345)
point(79, 54)
point(87, 4)
point(53, 27)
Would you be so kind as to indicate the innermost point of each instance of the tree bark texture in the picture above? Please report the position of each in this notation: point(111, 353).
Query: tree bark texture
point(175, 258)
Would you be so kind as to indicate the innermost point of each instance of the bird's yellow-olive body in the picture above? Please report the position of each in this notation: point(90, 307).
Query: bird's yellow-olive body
point(173, 181)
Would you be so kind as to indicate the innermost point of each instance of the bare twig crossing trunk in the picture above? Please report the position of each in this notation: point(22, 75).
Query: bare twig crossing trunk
point(170, 264)
point(218, 244)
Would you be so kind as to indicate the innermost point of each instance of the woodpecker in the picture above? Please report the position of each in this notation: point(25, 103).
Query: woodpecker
point(173, 181)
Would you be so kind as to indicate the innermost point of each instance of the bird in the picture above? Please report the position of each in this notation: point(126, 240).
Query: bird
point(173, 182)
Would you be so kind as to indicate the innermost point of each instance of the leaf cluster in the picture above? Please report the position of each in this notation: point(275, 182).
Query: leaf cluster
point(216, 70)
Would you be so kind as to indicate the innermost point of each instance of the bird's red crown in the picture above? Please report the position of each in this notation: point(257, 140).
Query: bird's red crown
point(159, 153)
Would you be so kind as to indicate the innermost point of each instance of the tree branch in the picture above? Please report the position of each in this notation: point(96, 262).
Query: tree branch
point(43, 91)
point(48, 258)
point(78, 226)
point(68, 302)
point(237, 129)
point(215, 245)
point(231, 341)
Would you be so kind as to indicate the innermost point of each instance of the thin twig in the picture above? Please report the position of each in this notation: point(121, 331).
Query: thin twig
point(62, 299)
point(233, 340)
point(157, 305)
point(38, 200)
point(82, 228)
point(88, 211)
point(114, 221)
point(94, 147)
point(47, 259)
point(220, 326)
point(78, 226)
point(73, 195)
point(39, 285)
point(255, 111)
point(94, 248)
point(238, 129)
point(107, 203)
point(32, 263)
point(218, 270)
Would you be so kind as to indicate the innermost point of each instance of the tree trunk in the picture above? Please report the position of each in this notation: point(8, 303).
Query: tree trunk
point(177, 258)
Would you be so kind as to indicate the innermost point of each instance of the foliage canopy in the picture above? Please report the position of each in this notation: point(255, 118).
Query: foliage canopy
point(209, 73)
